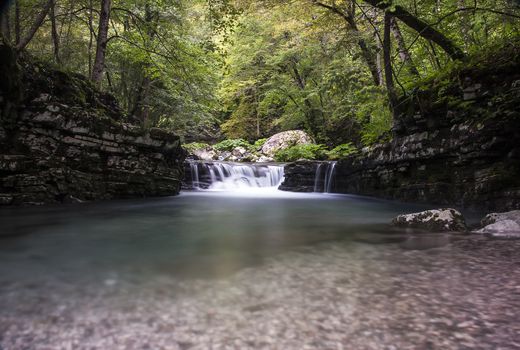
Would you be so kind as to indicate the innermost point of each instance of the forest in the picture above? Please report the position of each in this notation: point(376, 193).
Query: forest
point(243, 70)
point(259, 174)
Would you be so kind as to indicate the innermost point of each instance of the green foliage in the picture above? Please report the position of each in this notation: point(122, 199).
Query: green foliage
point(342, 151)
point(194, 146)
point(259, 143)
point(231, 144)
point(306, 151)
point(254, 68)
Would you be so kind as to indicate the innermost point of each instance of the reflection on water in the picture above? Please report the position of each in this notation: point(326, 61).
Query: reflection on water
point(220, 270)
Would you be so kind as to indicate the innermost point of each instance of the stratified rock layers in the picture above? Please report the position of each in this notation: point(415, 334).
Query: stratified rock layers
point(61, 140)
point(448, 147)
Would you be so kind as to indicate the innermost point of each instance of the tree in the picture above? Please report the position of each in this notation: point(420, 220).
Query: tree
point(422, 28)
point(349, 16)
point(102, 40)
point(22, 42)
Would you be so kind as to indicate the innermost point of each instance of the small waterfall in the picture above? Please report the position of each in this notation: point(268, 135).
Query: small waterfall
point(317, 178)
point(234, 176)
point(324, 180)
point(195, 182)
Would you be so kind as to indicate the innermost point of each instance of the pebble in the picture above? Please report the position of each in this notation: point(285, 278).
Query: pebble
point(331, 296)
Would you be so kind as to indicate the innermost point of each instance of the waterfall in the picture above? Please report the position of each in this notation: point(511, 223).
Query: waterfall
point(195, 176)
point(317, 178)
point(324, 180)
point(234, 176)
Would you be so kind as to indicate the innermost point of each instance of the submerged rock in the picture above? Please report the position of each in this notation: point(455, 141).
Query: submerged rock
point(285, 140)
point(440, 220)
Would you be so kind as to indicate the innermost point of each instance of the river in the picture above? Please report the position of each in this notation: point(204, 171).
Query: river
point(250, 267)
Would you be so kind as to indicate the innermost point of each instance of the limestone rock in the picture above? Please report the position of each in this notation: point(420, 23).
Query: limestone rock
point(285, 140)
point(496, 217)
point(265, 159)
point(239, 152)
point(501, 225)
point(207, 153)
point(439, 220)
point(73, 146)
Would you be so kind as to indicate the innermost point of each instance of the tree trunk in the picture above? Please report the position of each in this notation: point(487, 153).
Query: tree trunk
point(368, 56)
point(141, 108)
point(421, 27)
point(388, 62)
point(91, 36)
point(378, 60)
point(5, 25)
point(17, 30)
point(404, 54)
point(309, 112)
point(36, 25)
point(54, 32)
point(102, 40)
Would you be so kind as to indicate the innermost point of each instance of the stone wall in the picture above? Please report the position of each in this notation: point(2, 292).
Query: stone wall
point(468, 164)
point(456, 142)
point(62, 140)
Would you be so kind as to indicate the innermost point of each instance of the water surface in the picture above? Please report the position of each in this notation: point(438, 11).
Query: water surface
point(249, 270)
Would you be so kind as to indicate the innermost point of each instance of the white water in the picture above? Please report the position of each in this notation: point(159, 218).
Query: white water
point(252, 178)
point(219, 176)
point(325, 174)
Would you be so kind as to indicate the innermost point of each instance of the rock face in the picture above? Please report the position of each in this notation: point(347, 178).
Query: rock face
point(449, 147)
point(299, 176)
point(285, 140)
point(61, 140)
point(438, 220)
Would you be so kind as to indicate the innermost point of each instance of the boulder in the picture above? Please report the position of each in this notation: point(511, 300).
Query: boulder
point(239, 152)
point(206, 153)
point(496, 217)
point(501, 225)
point(439, 220)
point(264, 159)
point(285, 140)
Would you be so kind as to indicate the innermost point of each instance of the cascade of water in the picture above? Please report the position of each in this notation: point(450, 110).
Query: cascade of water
point(194, 167)
point(329, 177)
point(317, 178)
point(232, 176)
point(324, 177)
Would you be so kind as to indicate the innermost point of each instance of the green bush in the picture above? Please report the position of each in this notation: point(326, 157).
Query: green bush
point(342, 151)
point(229, 145)
point(193, 146)
point(310, 152)
point(259, 143)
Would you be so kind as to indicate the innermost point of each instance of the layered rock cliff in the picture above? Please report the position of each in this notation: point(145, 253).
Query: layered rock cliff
point(456, 141)
point(62, 140)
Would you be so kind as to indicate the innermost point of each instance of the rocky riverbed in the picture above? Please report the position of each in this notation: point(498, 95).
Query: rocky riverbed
point(461, 293)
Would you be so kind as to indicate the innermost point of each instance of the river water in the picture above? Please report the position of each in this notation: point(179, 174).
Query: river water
point(250, 269)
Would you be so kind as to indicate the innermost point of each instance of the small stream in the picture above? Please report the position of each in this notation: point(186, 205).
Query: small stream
point(241, 265)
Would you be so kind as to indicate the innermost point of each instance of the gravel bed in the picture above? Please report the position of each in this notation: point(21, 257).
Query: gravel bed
point(335, 295)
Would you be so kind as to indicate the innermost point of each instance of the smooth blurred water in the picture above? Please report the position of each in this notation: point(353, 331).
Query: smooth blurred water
point(198, 234)
point(261, 269)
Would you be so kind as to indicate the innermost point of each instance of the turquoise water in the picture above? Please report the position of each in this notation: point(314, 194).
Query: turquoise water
point(206, 234)
point(257, 269)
